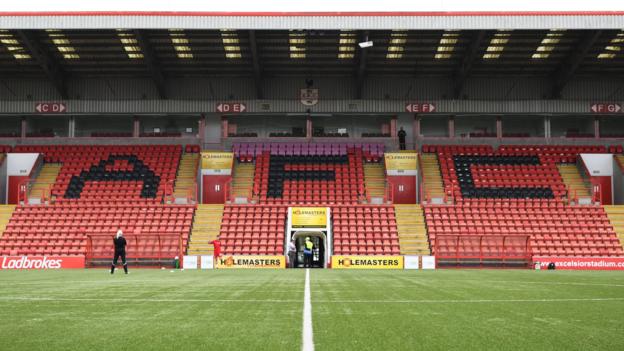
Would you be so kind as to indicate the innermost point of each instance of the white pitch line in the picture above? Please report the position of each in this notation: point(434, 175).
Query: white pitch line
point(474, 301)
point(308, 336)
point(309, 304)
point(87, 299)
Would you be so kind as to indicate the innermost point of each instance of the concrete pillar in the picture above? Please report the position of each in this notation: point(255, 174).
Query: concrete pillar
point(451, 127)
point(136, 127)
point(24, 128)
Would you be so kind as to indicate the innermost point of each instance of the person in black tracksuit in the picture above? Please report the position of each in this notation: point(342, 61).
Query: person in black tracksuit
point(120, 251)
point(401, 134)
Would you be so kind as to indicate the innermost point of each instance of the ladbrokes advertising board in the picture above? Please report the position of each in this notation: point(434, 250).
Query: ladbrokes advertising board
point(309, 217)
point(367, 262)
point(41, 262)
point(401, 163)
point(251, 262)
point(217, 162)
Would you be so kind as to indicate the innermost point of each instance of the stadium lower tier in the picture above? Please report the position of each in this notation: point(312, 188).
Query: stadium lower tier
point(162, 231)
point(152, 231)
point(260, 230)
point(552, 228)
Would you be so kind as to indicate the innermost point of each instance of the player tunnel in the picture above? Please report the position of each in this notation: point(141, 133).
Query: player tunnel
point(319, 252)
point(313, 223)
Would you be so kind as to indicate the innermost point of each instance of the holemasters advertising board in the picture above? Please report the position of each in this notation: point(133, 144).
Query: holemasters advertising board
point(217, 162)
point(241, 261)
point(401, 163)
point(367, 262)
point(309, 217)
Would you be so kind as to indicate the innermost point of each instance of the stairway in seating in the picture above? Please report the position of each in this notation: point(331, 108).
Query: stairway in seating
point(206, 227)
point(187, 174)
point(616, 217)
point(411, 230)
point(47, 176)
point(375, 179)
point(242, 181)
point(6, 211)
point(431, 175)
point(572, 179)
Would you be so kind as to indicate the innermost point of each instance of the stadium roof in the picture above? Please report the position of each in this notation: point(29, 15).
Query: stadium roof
point(183, 53)
point(243, 38)
point(317, 14)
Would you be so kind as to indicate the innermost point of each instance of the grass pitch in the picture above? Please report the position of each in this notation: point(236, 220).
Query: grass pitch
point(351, 310)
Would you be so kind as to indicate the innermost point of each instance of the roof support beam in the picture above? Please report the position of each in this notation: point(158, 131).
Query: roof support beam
point(152, 63)
point(361, 70)
point(463, 71)
point(51, 68)
point(570, 64)
point(255, 60)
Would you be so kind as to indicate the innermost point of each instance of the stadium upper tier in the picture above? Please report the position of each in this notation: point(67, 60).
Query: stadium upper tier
point(512, 171)
point(94, 173)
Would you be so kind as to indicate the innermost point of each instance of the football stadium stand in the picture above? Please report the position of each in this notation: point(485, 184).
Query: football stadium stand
point(98, 190)
point(365, 230)
point(206, 228)
point(6, 211)
point(243, 179)
point(374, 180)
point(411, 230)
point(495, 205)
point(432, 179)
point(45, 180)
point(253, 229)
point(186, 177)
point(513, 193)
point(328, 174)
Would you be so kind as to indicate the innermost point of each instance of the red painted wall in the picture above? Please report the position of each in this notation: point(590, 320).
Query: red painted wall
point(606, 196)
point(213, 187)
point(404, 189)
point(13, 193)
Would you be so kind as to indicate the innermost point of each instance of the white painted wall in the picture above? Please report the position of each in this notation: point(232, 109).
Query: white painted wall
point(598, 164)
point(21, 164)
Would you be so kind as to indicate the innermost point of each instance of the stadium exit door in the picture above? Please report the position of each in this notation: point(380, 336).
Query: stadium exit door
point(318, 253)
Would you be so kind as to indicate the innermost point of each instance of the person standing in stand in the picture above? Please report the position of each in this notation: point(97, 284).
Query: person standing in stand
point(120, 251)
point(292, 254)
point(401, 134)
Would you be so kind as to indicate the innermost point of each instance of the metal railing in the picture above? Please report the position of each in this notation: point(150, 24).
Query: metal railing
point(100, 247)
point(26, 193)
point(468, 250)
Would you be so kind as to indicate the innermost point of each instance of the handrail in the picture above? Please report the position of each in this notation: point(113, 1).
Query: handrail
point(24, 189)
point(389, 192)
point(227, 193)
point(169, 188)
point(422, 178)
